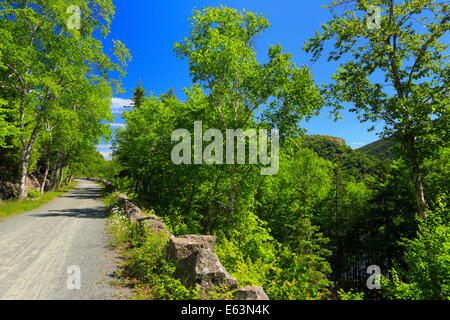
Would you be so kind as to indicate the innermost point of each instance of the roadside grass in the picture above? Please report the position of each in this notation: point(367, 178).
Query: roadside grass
point(10, 208)
point(145, 267)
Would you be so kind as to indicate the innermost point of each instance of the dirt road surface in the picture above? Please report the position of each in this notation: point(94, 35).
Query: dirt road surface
point(42, 251)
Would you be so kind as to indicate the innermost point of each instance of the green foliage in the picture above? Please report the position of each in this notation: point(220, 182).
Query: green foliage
point(148, 263)
point(288, 199)
point(10, 208)
point(351, 162)
point(250, 254)
point(93, 165)
point(254, 258)
point(138, 96)
point(409, 50)
point(55, 85)
point(383, 148)
point(145, 259)
point(33, 194)
point(350, 295)
point(428, 260)
point(222, 59)
point(437, 175)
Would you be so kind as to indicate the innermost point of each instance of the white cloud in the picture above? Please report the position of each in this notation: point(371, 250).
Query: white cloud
point(118, 105)
point(106, 155)
point(121, 125)
point(105, 150)
point(104, 146)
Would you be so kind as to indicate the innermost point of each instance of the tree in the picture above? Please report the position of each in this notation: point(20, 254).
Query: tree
point(138, 96)
point(46, 62)
point(406, 46)
point(222, 59)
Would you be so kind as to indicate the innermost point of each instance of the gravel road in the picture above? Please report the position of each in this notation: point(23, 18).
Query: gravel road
point(39, 249)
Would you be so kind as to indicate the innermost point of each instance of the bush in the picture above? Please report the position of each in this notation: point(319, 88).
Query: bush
point(32, 194)
point(254, 257)
point(350, 295)
point(145, 262)
point(148, 264)
point(428, 260)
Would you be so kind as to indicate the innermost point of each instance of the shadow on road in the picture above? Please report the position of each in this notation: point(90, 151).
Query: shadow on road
point(84, 194)
point(91, 213)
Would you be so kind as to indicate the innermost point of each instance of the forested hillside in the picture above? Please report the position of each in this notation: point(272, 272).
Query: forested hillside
point(383, 148)
point(326, 216)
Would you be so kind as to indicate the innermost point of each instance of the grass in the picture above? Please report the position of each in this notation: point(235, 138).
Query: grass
point(10, 208)
point(144, 266)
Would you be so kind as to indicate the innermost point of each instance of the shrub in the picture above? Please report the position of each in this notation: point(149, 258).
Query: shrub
point(148, 264)
point(145, 262)
point(428, 261)
point(32, 194)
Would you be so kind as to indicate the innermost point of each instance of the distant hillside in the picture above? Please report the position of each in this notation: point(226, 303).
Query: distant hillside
point(384, 148)
point(352, 161)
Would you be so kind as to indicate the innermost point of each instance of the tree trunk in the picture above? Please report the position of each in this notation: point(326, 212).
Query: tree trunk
point(55, 169)
point(417, 179)
point(232, 198)
point(421, 202)
point(25, 160)
point(44, 180)
point(61, 176)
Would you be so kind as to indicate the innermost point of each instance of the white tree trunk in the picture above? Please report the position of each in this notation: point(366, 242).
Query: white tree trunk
point(25, 160)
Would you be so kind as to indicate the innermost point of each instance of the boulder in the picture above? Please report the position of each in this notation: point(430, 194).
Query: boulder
point(202, 269)
point(196, 263)
point(8, 190)
point(134, 214)
point(183, 246)
point(122, 197)
point(31, 183)
point(207, 241)
point(156, 226)
point(251, 293)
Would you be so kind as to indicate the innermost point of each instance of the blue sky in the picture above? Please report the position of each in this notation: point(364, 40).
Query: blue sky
point(150, 28)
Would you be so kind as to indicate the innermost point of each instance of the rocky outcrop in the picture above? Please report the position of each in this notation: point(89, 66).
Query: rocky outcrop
point(10, 190)
point(196, 262)
point(251, 293)
point(32, 183)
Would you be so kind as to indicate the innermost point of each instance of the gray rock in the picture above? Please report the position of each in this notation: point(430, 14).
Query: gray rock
point(251, 293)
point(202, 269)
point(156, 226)
point(207, 241)
point(134, 214)
point(184, 246)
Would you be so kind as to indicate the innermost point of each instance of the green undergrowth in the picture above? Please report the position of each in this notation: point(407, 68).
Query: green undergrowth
point(10, 208)
point(145, 267)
